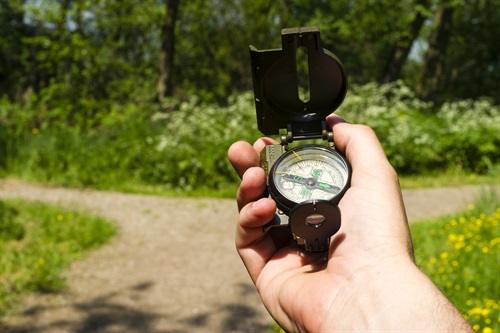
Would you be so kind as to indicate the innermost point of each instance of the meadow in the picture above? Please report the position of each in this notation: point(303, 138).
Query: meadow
point(461, 255)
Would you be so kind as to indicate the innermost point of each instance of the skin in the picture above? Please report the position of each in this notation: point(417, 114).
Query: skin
point(368, 280)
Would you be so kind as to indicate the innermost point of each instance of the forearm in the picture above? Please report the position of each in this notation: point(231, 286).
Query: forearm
point(405, 300)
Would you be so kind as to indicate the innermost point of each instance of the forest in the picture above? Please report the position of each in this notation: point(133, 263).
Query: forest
point(94, 91)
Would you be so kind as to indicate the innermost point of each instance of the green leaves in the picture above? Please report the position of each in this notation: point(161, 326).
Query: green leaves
point(184, 147)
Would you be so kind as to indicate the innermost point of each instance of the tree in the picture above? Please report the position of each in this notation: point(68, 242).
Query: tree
point(167, 50)
point(433, 68)
point(473, 55)
point(401, 49)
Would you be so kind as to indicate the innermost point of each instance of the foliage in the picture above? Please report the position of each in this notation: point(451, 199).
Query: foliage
point(461, 255)
point(76, 52)
point(180, 149)
point(184, 146)
point(419, 137)
point(39, 241)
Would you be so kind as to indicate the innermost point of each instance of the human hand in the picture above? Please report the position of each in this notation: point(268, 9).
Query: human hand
point(370, 257)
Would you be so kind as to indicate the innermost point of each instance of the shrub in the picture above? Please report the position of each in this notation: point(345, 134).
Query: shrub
point(183, 144)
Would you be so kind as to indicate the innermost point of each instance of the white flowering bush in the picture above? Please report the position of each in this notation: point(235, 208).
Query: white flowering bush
point(184, 146)
point(191, 150)
point(419, 137)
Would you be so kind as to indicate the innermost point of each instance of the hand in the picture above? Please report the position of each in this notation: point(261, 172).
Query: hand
point(365, 280)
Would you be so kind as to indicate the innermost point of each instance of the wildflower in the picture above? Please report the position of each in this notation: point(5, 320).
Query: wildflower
point(471, 290)
point(35, 131)
point(60, 217)
point(487, 330)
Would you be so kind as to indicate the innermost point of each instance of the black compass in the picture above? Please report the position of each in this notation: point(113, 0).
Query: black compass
point(307, 181)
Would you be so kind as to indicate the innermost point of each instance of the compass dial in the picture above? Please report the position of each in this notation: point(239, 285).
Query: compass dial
point(309, 172)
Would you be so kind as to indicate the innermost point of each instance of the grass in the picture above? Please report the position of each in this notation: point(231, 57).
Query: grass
point(39, 241)
point(444, 179)
point(461, 254)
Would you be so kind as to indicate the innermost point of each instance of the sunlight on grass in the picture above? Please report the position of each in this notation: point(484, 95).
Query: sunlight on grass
point(38, 242)
point(461, 254)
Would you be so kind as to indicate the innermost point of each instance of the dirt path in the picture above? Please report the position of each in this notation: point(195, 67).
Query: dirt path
point(173, 267)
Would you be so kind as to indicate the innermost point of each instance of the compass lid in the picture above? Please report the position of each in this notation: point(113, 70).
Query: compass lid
point(276, 84)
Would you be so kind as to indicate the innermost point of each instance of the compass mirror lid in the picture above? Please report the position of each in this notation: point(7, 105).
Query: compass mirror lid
point(279, 101)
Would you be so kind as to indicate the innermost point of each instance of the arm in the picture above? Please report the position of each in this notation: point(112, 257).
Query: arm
point(369, 280)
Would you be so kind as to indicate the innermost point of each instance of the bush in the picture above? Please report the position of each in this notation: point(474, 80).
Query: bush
point(183, 144)
point(420, 138)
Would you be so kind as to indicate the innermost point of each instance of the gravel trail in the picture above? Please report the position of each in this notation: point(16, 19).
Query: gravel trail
point(172, 268)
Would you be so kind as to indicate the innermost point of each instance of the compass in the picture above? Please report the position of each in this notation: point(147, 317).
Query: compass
point(308, 172)
point(307, 181)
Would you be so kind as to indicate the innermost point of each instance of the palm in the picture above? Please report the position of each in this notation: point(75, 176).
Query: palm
point(293, 277)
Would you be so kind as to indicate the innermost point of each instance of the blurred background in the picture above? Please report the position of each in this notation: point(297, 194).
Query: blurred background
point(92, 92)
point(146, 96)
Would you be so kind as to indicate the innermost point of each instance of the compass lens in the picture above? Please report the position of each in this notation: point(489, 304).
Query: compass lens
point(311, 172)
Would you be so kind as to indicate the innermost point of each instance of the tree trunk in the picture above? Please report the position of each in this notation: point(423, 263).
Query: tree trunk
point(433, 68)
point(401, 49)
point(165, 86)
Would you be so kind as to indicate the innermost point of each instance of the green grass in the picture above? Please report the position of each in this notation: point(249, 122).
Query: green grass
point(446, 179)
point(39, 241)
point(461, 254)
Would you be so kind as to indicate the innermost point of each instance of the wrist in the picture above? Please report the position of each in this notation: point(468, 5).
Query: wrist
point(393, 297)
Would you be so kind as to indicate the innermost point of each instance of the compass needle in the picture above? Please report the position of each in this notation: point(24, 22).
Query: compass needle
point(300, 158)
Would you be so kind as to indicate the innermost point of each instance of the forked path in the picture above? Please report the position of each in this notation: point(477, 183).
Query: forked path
point(172, 268)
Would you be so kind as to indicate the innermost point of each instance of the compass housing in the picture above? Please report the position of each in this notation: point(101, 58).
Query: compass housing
point(330, 186)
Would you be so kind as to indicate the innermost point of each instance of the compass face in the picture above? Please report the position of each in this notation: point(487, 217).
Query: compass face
point(309, 172)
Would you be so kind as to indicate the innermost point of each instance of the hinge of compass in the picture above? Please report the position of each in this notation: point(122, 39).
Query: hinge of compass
point(294, 134)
